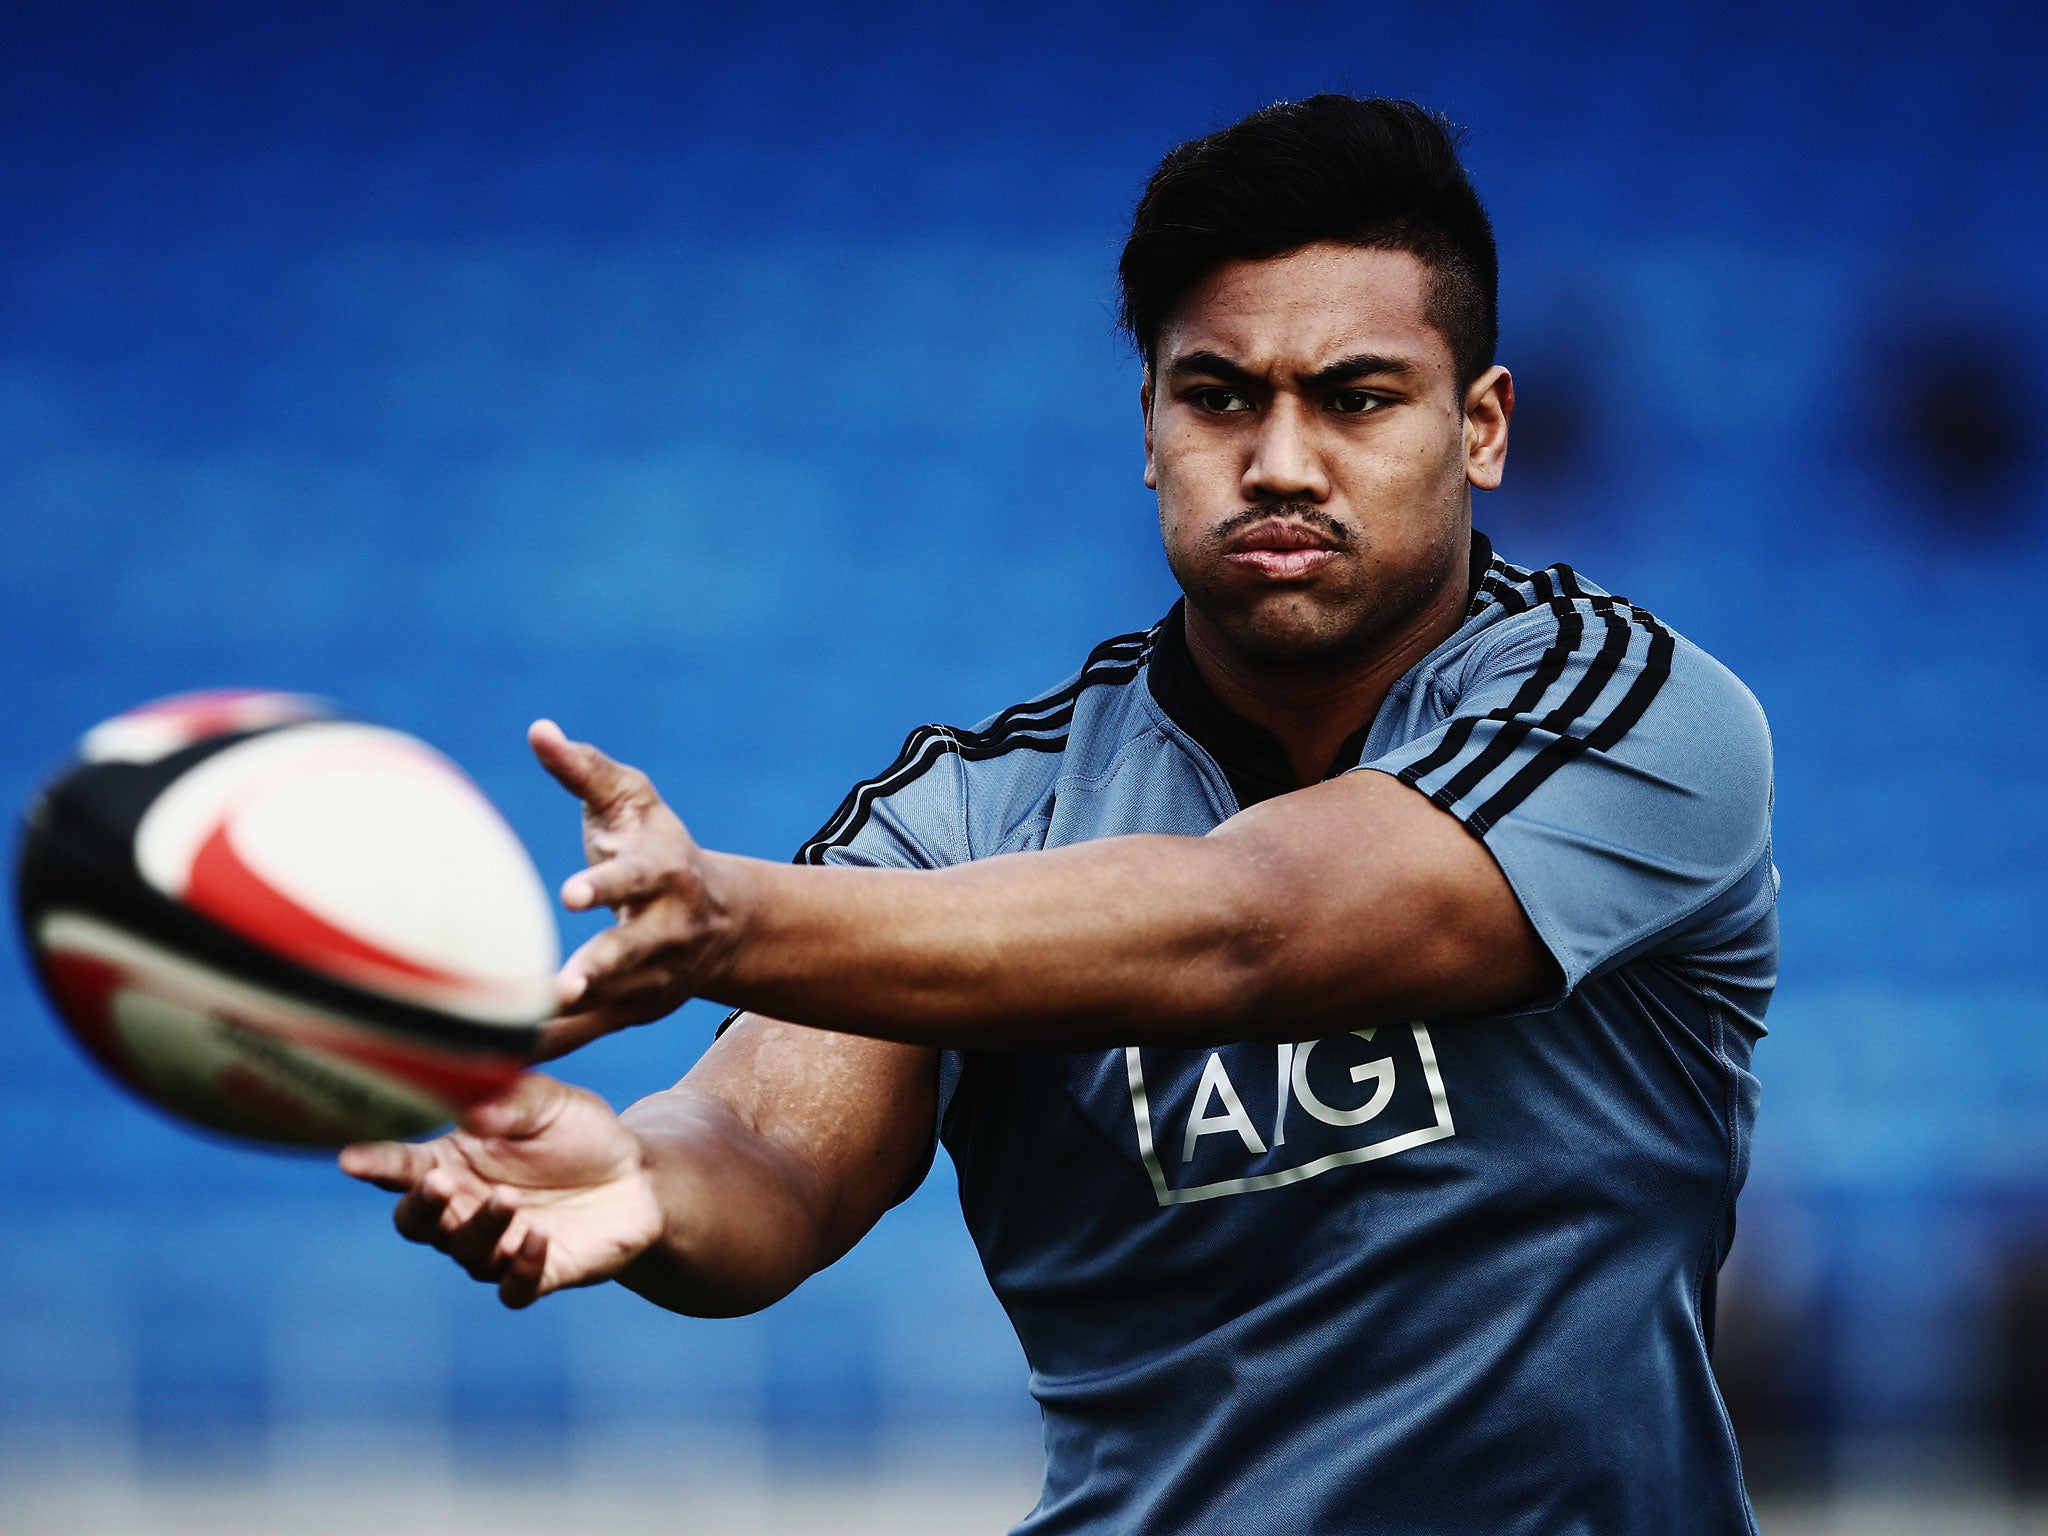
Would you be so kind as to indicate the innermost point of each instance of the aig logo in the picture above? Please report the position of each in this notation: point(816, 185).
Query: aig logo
point(1250, 1117)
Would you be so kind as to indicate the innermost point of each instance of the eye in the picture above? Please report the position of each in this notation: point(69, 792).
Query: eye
point(1219, 400)
point(1356, 402)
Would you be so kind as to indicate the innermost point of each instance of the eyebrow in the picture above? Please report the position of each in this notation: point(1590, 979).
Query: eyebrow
point(1358, 365)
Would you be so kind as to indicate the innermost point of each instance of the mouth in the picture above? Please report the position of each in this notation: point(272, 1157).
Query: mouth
point(1277, 551)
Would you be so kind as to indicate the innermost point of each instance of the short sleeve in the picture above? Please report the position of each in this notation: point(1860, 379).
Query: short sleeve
point(1619, 775)
point(912, 815)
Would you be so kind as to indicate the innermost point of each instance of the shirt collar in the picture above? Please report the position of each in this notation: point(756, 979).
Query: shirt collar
point(1249, 755)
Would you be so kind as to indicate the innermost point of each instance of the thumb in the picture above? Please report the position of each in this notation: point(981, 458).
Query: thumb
point(392, 1165)
point(523, 1110)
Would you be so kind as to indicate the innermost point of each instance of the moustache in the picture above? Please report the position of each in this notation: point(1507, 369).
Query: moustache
point(1305, 513)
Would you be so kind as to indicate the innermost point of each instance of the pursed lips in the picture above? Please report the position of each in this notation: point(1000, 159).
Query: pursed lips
point(1281, 551)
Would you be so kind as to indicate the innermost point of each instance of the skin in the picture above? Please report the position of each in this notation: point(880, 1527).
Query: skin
point(1314, 454)
point(1306, 399)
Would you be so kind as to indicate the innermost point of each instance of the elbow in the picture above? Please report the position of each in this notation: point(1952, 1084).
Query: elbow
point(690, 1292)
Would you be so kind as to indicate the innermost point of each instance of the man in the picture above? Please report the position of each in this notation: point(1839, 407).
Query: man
point(1337, 1000)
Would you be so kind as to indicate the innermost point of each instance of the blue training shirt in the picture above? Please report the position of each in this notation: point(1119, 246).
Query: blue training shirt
point(1452, 1276)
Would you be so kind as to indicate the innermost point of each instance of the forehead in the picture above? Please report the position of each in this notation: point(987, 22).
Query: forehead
point(1310, 307)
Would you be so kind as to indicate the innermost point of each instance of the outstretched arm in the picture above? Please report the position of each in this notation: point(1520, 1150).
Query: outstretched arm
point(766, 1163)
point(1356, 901)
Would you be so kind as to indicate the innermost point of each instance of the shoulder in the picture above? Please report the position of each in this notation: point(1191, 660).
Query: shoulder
point(1555, 687)
point(1619, 774)
point(958, 789)
point(1619, 663)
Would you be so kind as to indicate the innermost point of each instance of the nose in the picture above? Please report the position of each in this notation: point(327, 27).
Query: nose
point(1284, 463)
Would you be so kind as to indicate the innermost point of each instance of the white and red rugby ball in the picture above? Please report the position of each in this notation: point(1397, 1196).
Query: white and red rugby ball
point(285, 925)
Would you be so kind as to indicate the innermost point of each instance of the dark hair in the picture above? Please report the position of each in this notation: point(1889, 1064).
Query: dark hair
point(1380, 174)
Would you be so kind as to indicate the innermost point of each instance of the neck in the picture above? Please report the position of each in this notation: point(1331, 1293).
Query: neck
point(1313, 707)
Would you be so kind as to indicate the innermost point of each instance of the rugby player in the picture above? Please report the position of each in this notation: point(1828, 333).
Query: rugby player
point(1337, 999)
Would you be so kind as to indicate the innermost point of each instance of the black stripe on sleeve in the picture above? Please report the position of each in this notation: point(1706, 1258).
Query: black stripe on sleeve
point(1558, 587)
point(1124, 650)
point(924, 747)
point(1519, 720)
point(1526, 698)
point(1648, 683)
point(1038, 725)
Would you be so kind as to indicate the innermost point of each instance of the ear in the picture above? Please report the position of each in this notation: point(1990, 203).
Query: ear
point(1488, 405)
point(1145, 405)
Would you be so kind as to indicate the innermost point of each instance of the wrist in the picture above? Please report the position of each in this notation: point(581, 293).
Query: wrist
point(729, 884)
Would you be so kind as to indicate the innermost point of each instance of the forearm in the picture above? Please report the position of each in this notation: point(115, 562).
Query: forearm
point(1356, 903)
point(1162, 938)
point(1351, 904)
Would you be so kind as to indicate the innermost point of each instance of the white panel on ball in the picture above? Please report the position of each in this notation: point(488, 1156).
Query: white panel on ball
point(380, 837)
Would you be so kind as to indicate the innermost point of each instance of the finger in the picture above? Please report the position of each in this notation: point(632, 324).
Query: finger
point(614, 883)
point(474, 1244)
point(570, 986)
point(528, 1107)
point(419, 1215)
point(392, 1165)
point(591, 961)
point(521, 1284)
point(560, 1036)
point(587, 773)
point(613, 966)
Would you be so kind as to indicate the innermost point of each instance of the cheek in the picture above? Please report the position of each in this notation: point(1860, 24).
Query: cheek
point(1178, 529)
point(1180, 455)
point(1416, 465)
point(1183, 520)
point(1194, 477)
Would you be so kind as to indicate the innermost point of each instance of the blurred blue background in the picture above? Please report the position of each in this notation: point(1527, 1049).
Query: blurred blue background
point(739, 386)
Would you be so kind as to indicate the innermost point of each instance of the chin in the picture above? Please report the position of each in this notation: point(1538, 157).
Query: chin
point(1291, 628)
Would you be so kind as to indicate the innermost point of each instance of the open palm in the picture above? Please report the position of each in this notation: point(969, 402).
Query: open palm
point(539, 1188)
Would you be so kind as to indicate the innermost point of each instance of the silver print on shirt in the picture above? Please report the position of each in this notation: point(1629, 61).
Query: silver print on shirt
point(1254, 1117)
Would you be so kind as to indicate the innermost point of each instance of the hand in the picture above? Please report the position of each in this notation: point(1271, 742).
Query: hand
point(540, 1188)
point(647, 869)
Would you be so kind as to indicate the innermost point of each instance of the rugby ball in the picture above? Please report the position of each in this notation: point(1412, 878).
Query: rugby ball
point(282, 924)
